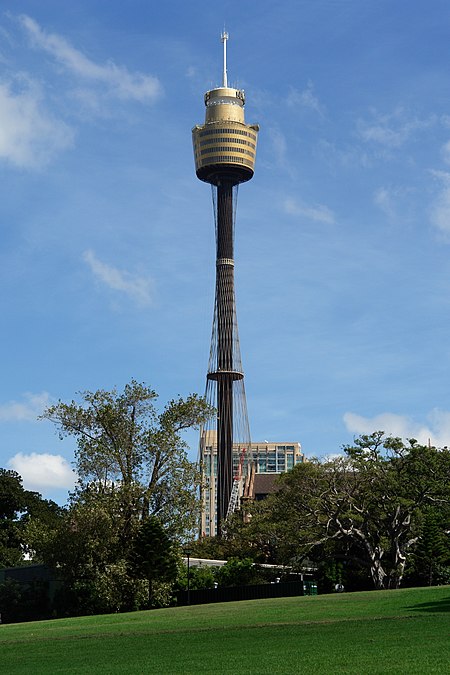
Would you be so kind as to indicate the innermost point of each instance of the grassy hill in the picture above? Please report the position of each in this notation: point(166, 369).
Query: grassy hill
point(404, 632)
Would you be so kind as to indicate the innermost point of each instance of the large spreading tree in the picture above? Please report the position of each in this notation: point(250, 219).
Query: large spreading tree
point(367, 507)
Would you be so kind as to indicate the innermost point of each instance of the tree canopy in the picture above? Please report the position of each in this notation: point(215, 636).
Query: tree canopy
point(126, 446)
point(366, 507)
point(17, 508)
point(133, 468)
point(153, 555)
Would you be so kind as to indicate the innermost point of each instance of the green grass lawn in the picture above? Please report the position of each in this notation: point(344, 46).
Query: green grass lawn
point(404, 632)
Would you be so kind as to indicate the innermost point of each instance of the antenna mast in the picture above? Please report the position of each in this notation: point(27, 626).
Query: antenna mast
point(224, 37)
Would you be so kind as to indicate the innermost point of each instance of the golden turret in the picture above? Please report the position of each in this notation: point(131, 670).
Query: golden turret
point(225, 146)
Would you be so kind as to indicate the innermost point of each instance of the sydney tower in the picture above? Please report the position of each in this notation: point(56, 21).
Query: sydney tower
point(225, 152)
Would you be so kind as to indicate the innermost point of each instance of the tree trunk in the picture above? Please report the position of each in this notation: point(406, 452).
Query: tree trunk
point(378, 574)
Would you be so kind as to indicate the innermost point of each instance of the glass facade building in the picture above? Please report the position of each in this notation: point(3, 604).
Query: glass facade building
point(267, 458)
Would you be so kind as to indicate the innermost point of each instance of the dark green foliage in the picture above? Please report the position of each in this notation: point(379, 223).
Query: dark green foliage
point(211, 548)
point(366, 509)
point(329, 575)
point(24, 602)
point(88, 551)
point(199, 578)
point(153, 555)
point(237, 541)
point(430, 561)
point(13, 497)
point(19, 508)
point(238, 572)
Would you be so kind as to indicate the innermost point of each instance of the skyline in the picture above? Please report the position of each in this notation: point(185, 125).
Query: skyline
point(342, 239)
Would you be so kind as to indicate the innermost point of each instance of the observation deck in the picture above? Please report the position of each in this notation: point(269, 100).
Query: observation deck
point(225, 147)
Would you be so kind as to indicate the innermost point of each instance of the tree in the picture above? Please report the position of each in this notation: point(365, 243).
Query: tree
point(431, 557)
point(132, 464)
point(91, 558)
point(365, 507)
point(199, 577)
point(153, 555)
point(19, 507)
point(239, 572)
point(125, 446)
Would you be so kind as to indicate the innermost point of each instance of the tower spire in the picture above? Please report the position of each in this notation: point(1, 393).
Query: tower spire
point(224, 37)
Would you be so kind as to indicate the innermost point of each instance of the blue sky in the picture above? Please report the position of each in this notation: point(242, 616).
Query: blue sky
point(342, 237)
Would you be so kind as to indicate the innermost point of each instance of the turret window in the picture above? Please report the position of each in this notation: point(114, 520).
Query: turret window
point(229, 130)
point(226, 148)
point(239, 141)
point(218, 159)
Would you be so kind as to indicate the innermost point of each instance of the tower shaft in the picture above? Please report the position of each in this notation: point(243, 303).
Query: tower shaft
point(225, 312)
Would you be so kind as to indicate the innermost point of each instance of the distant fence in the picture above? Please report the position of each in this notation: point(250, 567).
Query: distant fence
point(256, 592)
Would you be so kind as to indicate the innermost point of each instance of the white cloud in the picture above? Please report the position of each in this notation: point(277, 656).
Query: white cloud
point(391, 131)
point(279, 146)
point(445, 151)
point(26, 411)
point(383, 199)
point(120, 82)
point(318, 212)
point(347, 156)
point(29, 136)
point(140, 289)
point(393, 201)
point(305, 99)
point(440, 210)
point(436, 430)
point(43, 470)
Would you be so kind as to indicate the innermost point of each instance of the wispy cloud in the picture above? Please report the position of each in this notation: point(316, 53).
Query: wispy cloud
point(27, 410)
point(279, 146)
point(445, 152)
point(393, 130)
point(317, 212)
point(391, 201)
point(305, 99)
point(383, 199)
point(138, 288)
point(119, 81)
point(436, 430)
point(440, 209)
point(43, 470)
point(29, 135)
point(347, 156)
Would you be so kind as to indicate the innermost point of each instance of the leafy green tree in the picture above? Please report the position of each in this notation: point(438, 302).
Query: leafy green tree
point(199, 577)
point(431, 556)
point(132, 464)
point(239, 572)
point(125, 446)
point(365, 507)
point(87, 551)
point(153, 555)
point(19, 507)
